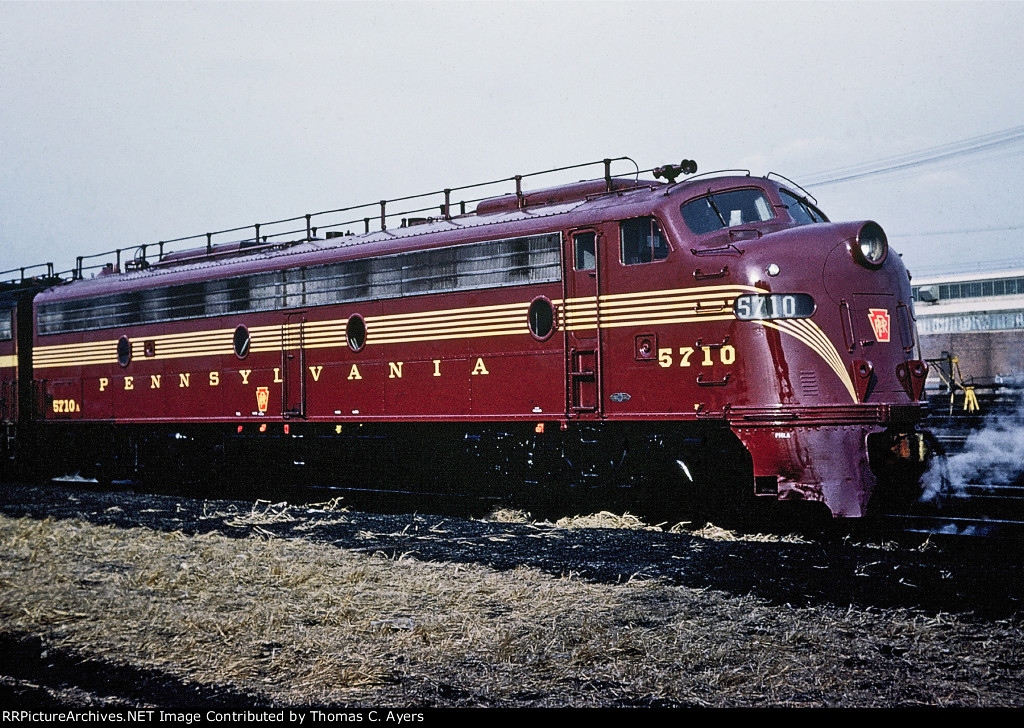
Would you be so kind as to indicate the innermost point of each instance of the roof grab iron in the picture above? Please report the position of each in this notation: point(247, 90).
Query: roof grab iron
point(787, 179)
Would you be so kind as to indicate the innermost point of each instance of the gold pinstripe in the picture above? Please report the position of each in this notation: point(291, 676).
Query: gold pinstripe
point(386, 327)
point(9, 360)
point(473, 335)
point(463, 333)
point(683, 292)
point(447, 312)
point(814, 337)
point(672, 320)
point(671, 306)
point(646, 308)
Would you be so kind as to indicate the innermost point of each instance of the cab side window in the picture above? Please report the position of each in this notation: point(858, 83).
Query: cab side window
point(585, 247)
point(642, 241)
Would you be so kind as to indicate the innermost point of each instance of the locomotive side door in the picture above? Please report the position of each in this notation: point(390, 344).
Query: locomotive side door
point(293, 365)
point(580, 322)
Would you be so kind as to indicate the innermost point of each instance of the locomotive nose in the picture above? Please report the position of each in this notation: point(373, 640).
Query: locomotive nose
point(864, 243)
point(871, 292)
point(860, 262)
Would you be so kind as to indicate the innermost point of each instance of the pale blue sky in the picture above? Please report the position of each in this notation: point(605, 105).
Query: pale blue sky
point(126, 123)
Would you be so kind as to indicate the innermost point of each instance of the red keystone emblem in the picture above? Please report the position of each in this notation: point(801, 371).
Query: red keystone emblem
point(879, 318)
point(262, 398)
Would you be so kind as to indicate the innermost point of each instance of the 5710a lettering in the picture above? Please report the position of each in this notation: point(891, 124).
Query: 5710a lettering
point(706, 356)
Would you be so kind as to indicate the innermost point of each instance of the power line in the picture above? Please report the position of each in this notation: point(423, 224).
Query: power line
point(965, 231)
point(996, 141)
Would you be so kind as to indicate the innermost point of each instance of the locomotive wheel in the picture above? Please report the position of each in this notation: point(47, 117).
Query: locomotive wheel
point(656, 493)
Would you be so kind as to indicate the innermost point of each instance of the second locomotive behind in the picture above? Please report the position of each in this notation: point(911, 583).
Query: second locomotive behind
point(674, 336)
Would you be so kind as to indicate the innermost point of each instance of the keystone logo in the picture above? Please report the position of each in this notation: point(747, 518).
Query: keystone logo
point(262, 398)
point(879, 318)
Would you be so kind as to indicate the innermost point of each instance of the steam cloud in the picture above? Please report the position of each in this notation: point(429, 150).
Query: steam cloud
point(992, 455)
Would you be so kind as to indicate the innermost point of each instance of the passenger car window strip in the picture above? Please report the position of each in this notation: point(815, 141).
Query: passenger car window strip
point(490, 264)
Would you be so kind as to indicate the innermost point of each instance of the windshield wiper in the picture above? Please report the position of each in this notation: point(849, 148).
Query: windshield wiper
point(711, 201)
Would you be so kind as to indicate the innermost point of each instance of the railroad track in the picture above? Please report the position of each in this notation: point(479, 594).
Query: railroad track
point(943, 526)
point(990, 510)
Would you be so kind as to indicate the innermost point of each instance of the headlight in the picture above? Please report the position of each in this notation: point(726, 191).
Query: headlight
point(871, 246)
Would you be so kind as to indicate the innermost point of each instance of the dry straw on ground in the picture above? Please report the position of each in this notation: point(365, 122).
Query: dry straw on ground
point(304, 623)
point(508, 515)
point(605, 519)
point(714, 533)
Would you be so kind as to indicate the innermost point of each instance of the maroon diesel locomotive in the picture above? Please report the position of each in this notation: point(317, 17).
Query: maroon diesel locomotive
point(695, 337)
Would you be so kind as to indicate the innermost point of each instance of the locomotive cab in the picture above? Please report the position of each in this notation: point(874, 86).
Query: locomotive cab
point(826, 384)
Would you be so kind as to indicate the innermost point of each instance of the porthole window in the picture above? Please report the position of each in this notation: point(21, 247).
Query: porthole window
point(355, 332)
point(241, 342)
point(124, 351)
point(541, 318)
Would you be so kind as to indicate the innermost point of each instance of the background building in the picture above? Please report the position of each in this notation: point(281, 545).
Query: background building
point(976, 317)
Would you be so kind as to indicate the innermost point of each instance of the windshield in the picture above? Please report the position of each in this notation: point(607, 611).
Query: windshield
point(802, 212)
point(718, 210)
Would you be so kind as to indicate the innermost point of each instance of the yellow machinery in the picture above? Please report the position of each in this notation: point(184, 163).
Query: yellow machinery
point(954, 381)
